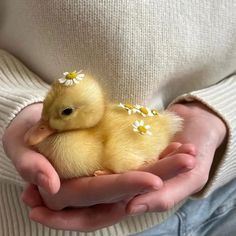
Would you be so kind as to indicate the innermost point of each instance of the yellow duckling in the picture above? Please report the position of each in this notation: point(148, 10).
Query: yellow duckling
point(82, 134)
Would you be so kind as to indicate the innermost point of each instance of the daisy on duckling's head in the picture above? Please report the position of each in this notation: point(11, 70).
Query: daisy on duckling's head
point(71, 78)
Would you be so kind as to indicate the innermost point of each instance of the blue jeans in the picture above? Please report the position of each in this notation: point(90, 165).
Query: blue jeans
point(212, 216)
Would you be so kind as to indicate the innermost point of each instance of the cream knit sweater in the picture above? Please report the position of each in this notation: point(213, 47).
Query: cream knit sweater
point(143, 51)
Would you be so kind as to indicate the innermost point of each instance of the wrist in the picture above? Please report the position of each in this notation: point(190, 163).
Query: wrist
point(20, 124)
point(31, 114)
point(25, 118)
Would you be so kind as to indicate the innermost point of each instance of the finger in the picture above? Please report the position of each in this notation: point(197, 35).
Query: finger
point(174, 191)
point(187, 148)
point(169, 149)
point(32, 166)
point(116, 186)
point(102, 189)
point(180, 160)
point(83, 219)
point(171, 166)
point(36, 169)
point(31, 196)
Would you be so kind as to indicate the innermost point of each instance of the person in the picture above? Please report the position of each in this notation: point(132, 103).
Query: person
point(179, 56)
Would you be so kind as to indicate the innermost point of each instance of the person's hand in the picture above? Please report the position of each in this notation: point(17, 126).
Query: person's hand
point(207, 132)
point(32, 166)
point(100, 201)
point(103, 199)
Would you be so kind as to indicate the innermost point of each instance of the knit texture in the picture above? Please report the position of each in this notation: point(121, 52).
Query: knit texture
point(19, 88)
point(146, 52)
point(28, 89)
point(214, 97)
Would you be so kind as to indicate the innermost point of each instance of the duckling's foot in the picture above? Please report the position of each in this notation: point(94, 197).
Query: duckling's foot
point(102, 172)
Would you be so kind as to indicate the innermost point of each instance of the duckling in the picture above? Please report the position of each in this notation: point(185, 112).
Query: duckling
point(83, 134)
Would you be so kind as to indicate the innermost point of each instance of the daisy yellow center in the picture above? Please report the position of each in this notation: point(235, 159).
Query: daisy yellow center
point(144, 110)
point(71, 75)
point(142, 129)
point(129, 106)
point(155, 112)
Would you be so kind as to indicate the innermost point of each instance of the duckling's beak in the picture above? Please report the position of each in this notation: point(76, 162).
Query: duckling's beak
point(38, 133)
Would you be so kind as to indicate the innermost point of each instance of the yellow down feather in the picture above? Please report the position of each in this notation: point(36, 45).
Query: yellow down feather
point(98, 135)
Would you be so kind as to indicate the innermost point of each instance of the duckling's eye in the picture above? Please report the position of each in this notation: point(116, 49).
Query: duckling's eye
point(67, 111)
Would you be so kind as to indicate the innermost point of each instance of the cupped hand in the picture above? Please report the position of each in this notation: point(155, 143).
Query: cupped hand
point(206, 131)
point(95, 202)
point(184, 168)
point(104, 198)
point(32, 166)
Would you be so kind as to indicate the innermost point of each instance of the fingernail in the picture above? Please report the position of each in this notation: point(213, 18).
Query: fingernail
point(148, 190)
point(42, 180)
point(139, 209)
point(156, 187)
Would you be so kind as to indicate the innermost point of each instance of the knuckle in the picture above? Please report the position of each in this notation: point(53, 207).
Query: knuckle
point(185, 163)
point(24, 170)
point(22, 167)
point(165, 203)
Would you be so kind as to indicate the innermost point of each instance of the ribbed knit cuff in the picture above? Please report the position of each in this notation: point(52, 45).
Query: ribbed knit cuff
point(19, 88)
point(220, 98)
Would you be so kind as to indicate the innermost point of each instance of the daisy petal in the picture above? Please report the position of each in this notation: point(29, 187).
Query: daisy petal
point(62, 80)
point(67, 83)
point(75, 81)
point(149, 132)
point(136, 123)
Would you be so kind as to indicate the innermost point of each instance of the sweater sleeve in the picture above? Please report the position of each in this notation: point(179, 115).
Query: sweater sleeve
point(19, 87)
point(220, 98)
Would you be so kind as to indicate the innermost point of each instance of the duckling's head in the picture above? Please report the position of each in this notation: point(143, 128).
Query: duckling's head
point(69, 105)
point(77, 106)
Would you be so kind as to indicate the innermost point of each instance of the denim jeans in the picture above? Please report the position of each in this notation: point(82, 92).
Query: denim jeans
point(211, 216)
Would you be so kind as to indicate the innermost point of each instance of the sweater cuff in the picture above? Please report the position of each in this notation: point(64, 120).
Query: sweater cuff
point(220, 98)
point(19, 87)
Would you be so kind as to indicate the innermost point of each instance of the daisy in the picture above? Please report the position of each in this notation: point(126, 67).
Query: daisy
point(128, 107)
point(154, 112)
point(71, 78)
point(138, 126)
point(144, 111)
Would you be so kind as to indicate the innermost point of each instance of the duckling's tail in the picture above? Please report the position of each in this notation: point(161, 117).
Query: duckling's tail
point(171, 121)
